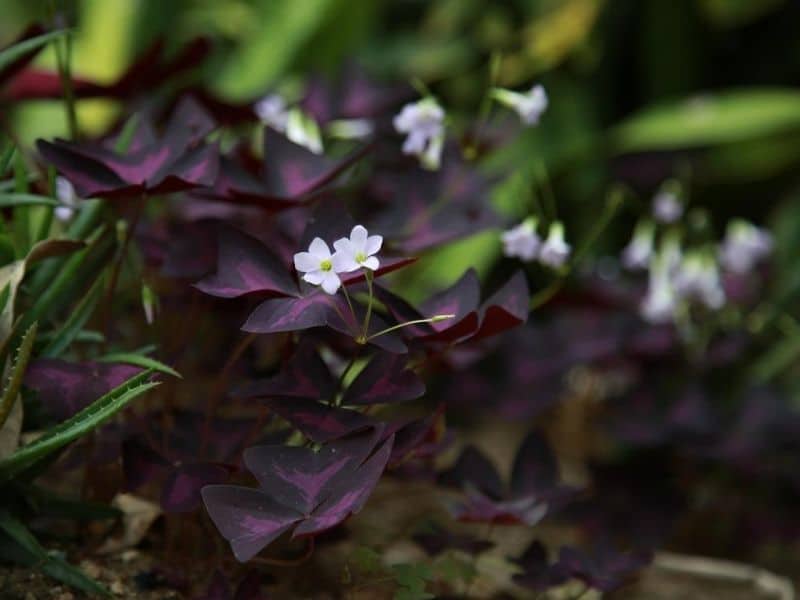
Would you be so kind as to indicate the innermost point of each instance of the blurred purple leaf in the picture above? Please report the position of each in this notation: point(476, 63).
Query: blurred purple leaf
point(64, 388)
point(605, 568)
point(319, 422)
point(246, 266)
point(178, 161)
point(384, 380)
point(538, 574)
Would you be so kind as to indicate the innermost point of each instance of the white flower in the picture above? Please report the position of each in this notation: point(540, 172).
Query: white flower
point(698, 278)
point(317, 264)
point(65, 193)
point(637, 254)
point(660, 302)
point(272, 111)
point(357, 251)
point(522, 241)
point(555, 251)
point(529, 106)
point(304, 131)
point(423, 122)
point(666, 207)
point(744, 246)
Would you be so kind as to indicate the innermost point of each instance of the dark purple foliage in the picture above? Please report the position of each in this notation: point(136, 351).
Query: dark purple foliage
point(319, 422)
point(246, 266)
point(178, 160)
point(437, 540)
point(385, 379)
point(305, 375)
point(539, 574)
point(64, 387)
point(533, 492)
point(290, 175)
point(428, 209)
point(301, 489)
point(605, 568)
point(249, 588)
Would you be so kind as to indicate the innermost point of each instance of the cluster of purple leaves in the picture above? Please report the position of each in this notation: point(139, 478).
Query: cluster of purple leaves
point(237, 217)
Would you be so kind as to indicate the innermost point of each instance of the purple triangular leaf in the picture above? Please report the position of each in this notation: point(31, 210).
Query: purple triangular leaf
point(290, 314)
point(305, 375)
point(246, 266)
point(535, 469)
point(181, 491)
point(249, 519)
point(385, 379)
point(349, 495)
point(472, 467)
point(318, 422)
point(301, 477)
point(292, 171)
point(506, 308)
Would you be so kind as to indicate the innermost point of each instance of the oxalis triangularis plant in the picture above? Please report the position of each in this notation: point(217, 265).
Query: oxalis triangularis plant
point(282, 218)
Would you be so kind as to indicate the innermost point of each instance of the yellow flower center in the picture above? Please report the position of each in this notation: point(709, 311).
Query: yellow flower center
point(360, 257)
point(325, 265)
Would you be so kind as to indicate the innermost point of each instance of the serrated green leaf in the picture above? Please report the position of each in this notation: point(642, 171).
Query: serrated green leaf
point(16, 374)
point(138, 360)
point(76, 426)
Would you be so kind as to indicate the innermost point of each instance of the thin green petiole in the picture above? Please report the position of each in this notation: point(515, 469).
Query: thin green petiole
point(349, 303)
point(433, 319)
point(368, 316)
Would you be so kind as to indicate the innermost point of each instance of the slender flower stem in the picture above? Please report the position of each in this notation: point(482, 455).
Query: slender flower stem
point(434, 319)
point(337, 398)
point(368, 316)
point(349, 302)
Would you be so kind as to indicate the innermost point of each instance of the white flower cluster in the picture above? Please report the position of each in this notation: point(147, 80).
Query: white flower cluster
point(523, 242)
point(321, 267)
point(678, 277)
point(423, 124)
point(530, 106)
point(273, 111)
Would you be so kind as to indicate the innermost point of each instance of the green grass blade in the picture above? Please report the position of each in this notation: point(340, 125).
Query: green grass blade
point(11, 390)
point(131, 358)
point(17, 51)
point(75, 322)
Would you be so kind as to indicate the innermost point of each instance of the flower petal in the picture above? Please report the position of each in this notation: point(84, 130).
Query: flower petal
point(331, 282)
point(344, 262)
point(344, 246)
point(372, 263)
point(305, 262)
point(314, 277)
point(319, 249)
point(374, 243)
point(358, 236)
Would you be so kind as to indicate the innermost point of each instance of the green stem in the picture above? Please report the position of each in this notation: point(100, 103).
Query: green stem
point(433, 319)
point(368, 316)
point(349, 303)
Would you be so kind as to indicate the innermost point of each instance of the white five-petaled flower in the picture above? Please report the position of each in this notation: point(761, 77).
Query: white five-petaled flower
point(272, 111)
point(667, 208)
point(318, 266)
point(65, 193)
point(636, 255)
point(744, 246)
point(357, 251)
point(555, 251)
point(423, 122)
point(522, 241)
point(530, 106)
